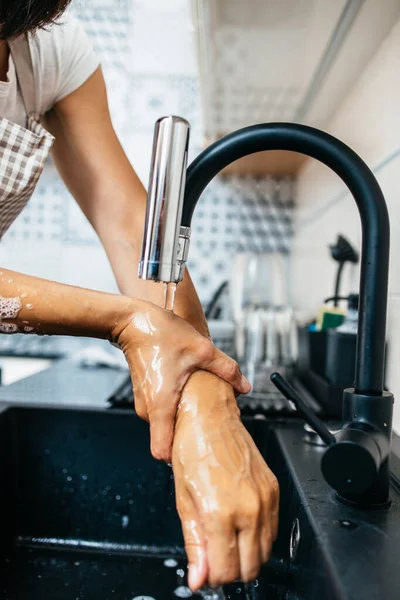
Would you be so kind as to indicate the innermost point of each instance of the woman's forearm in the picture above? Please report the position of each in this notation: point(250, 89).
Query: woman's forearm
point(109, 192)
point(32, 305)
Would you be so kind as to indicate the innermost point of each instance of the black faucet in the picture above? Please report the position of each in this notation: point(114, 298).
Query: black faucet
point(356, 463)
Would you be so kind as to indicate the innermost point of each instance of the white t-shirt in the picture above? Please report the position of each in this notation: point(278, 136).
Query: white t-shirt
point(63, 59)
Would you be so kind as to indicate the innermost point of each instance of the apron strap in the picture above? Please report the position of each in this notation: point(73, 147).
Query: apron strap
point(21, 54)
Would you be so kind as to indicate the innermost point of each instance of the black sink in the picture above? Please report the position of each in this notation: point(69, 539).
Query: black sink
point(87, 513)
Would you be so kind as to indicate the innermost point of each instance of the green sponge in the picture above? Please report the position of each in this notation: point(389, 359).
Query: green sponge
point(329, 318)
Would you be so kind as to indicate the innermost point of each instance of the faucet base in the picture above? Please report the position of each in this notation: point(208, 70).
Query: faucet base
point(357, 466)
point(357, 504)
point(376, 497)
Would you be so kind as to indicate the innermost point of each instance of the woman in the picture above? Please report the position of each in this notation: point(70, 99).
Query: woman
point(53, 97)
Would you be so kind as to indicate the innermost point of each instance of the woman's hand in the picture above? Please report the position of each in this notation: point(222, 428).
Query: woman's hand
point(162, 351)
point(227, 497)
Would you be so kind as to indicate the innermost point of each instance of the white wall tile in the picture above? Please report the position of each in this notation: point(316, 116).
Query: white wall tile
point(369, 122)
point(161, 38)
point(313, 269)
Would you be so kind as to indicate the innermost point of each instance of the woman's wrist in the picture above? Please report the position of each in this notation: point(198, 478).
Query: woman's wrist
point(206, 396)
point(123, 316)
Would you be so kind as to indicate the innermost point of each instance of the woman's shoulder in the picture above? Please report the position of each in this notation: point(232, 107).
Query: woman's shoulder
point(63, 59)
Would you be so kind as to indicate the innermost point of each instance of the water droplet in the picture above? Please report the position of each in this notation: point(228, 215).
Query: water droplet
point(180, 573)
point(84, 477)
point(130, 501)
point(347, 524)
point(170, 562)
point(65, 471)
point(125, 521)
point(69, 478)
point(143, 598)
point(118, 497)
point(77, 563)
point(29, 306)
point(183, 592)
point(255, 583)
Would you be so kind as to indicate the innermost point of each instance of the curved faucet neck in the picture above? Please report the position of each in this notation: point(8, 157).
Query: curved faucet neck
point(371, 205)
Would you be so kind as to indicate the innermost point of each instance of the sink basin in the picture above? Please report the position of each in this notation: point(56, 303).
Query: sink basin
point(87, 513)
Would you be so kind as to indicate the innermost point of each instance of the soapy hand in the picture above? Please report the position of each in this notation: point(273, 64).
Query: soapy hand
point(162, 351)
point(227, 497)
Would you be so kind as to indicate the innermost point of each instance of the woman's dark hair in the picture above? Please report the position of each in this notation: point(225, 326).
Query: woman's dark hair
point(21, 16)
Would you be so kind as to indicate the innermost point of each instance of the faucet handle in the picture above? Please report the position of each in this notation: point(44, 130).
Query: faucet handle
point(309, 416)
point(357, 455)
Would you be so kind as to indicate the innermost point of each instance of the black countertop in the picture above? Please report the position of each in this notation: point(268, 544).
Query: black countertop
point(65, 384)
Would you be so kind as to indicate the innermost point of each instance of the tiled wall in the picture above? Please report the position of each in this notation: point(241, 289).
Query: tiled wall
point(369, 121)
point(147, 55)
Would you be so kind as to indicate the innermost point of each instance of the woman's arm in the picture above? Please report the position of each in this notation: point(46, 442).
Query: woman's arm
point(226, 496)
point(97, 172)
point(162, 349)
point(228, 542)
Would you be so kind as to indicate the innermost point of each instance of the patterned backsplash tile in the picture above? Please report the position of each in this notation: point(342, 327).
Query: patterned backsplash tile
point(148, 59)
